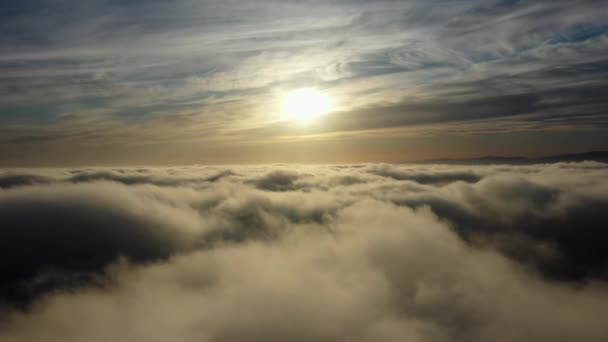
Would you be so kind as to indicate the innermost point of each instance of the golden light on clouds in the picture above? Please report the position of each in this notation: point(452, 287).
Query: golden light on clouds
point(305, 104)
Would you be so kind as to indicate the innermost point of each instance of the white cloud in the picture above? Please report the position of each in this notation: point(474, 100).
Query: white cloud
point(344, 253)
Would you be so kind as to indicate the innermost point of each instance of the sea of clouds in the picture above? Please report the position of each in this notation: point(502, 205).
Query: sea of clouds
point(370, 252)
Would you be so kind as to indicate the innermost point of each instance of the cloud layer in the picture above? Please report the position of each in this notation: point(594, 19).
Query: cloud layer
point(331, 253)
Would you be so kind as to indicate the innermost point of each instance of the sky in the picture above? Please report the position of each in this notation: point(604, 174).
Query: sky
point(229, 171)
point(107, 82)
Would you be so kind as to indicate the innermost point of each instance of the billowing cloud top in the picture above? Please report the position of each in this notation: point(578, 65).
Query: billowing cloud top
point(105, 81)
point(305, 253)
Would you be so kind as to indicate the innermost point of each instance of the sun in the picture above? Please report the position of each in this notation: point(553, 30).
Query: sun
point(305, 104)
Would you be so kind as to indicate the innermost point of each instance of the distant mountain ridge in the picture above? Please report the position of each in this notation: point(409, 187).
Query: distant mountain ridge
point(598, 156)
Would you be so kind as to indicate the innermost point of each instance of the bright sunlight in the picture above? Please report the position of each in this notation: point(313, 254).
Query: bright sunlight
point(305, 104)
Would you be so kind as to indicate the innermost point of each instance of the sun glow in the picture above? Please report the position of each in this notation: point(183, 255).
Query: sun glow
point(305, 104)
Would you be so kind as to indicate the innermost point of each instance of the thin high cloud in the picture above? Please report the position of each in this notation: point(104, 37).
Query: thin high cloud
point(125, 72)
point(331, 253)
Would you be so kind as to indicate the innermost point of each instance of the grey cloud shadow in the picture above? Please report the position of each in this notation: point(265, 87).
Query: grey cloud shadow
point(9, 180)
point(79, 231)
